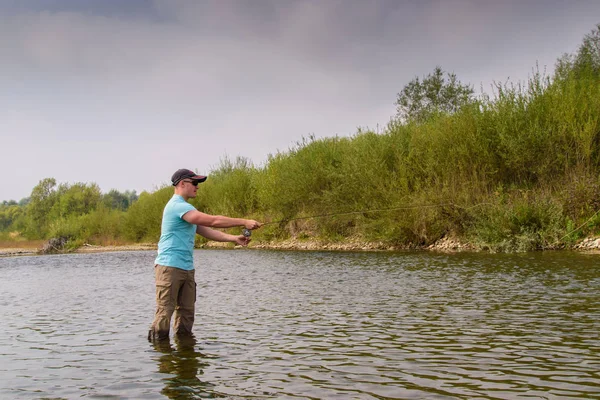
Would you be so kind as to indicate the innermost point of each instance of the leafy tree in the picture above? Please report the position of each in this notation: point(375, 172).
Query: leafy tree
point(48, 204)
point(116, 200)
point(588, 54)
point(8, 215)
point(419, 100)
point(77, 199)
point(119, 200)
point(42, 199)
point(131, 195)
point(585, 61)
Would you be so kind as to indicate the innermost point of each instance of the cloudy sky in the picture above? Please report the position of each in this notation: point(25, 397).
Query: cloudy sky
point(123, 93)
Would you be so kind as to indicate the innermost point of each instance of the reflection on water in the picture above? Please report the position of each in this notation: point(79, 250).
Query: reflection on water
point(183, 366)
point(291, 325)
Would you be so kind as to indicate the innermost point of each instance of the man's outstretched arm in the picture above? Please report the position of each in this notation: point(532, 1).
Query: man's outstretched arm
point(212, 234)
point(218, 221)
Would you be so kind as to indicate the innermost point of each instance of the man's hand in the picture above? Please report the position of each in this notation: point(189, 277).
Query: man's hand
point(252, 224)
point(242, 240)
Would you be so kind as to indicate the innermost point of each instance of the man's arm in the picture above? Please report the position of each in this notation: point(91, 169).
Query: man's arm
point(218, 221)
point(219, 236)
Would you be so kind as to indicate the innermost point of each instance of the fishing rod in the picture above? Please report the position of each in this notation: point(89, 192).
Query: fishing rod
point(248, 232)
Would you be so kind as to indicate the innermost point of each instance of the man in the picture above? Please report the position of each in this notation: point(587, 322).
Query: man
point(174, 265)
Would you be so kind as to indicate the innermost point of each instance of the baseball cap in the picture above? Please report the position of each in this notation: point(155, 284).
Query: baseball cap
point(186, 174)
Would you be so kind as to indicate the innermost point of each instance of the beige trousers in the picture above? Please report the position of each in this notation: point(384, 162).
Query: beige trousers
point(175, 292)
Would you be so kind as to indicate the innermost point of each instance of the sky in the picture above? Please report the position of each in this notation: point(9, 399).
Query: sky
point(123, 93)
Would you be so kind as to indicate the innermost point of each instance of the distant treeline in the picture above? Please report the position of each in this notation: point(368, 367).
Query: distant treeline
point(515, 170)
point(79, 212)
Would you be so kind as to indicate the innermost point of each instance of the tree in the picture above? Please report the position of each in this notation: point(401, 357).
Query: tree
point(589, 51)
point(116, 200)
point(585, 61)
point(77, 199)
point(420, 100)
point(8, 215)
point(131, 196)
point(42, 199)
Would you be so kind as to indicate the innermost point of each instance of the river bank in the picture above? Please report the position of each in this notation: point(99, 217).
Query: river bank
point(446, 244)
point(86, 248)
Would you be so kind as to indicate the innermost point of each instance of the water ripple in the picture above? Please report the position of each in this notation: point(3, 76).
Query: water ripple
point(306, 325)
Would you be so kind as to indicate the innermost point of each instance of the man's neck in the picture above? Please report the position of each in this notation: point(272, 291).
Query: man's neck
point(181, 194)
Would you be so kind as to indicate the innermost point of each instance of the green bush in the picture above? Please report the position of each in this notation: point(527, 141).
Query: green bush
point(229, 189)
point(143, 219)
point(100, 226)
point(525, 221)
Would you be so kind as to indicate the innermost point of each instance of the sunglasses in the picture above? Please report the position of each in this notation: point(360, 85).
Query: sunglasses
point(194, 183)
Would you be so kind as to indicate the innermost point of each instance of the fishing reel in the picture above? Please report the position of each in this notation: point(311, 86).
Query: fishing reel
point(246, 232)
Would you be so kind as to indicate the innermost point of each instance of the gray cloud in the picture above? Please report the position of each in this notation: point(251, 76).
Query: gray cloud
point(95, 90)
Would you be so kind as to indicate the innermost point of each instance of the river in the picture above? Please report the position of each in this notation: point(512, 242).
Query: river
point(306, 325)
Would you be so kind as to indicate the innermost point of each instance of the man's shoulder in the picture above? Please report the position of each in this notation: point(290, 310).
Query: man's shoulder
point(176, 199)
point(178, 204)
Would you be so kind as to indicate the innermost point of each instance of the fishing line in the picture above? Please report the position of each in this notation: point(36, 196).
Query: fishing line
point(578, 228)
point(248, 233)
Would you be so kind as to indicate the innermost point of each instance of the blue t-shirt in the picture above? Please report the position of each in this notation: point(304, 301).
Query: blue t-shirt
point(176, 244)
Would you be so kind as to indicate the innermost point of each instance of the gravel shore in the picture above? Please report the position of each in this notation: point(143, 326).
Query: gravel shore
point(444, 245)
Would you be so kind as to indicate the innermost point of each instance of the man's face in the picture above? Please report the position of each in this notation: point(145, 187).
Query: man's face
point(190, 188)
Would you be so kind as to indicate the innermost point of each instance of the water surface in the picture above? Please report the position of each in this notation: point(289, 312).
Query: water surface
point(306, 325)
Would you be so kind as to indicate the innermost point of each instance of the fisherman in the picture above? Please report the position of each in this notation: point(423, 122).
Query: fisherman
point(174, 265)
